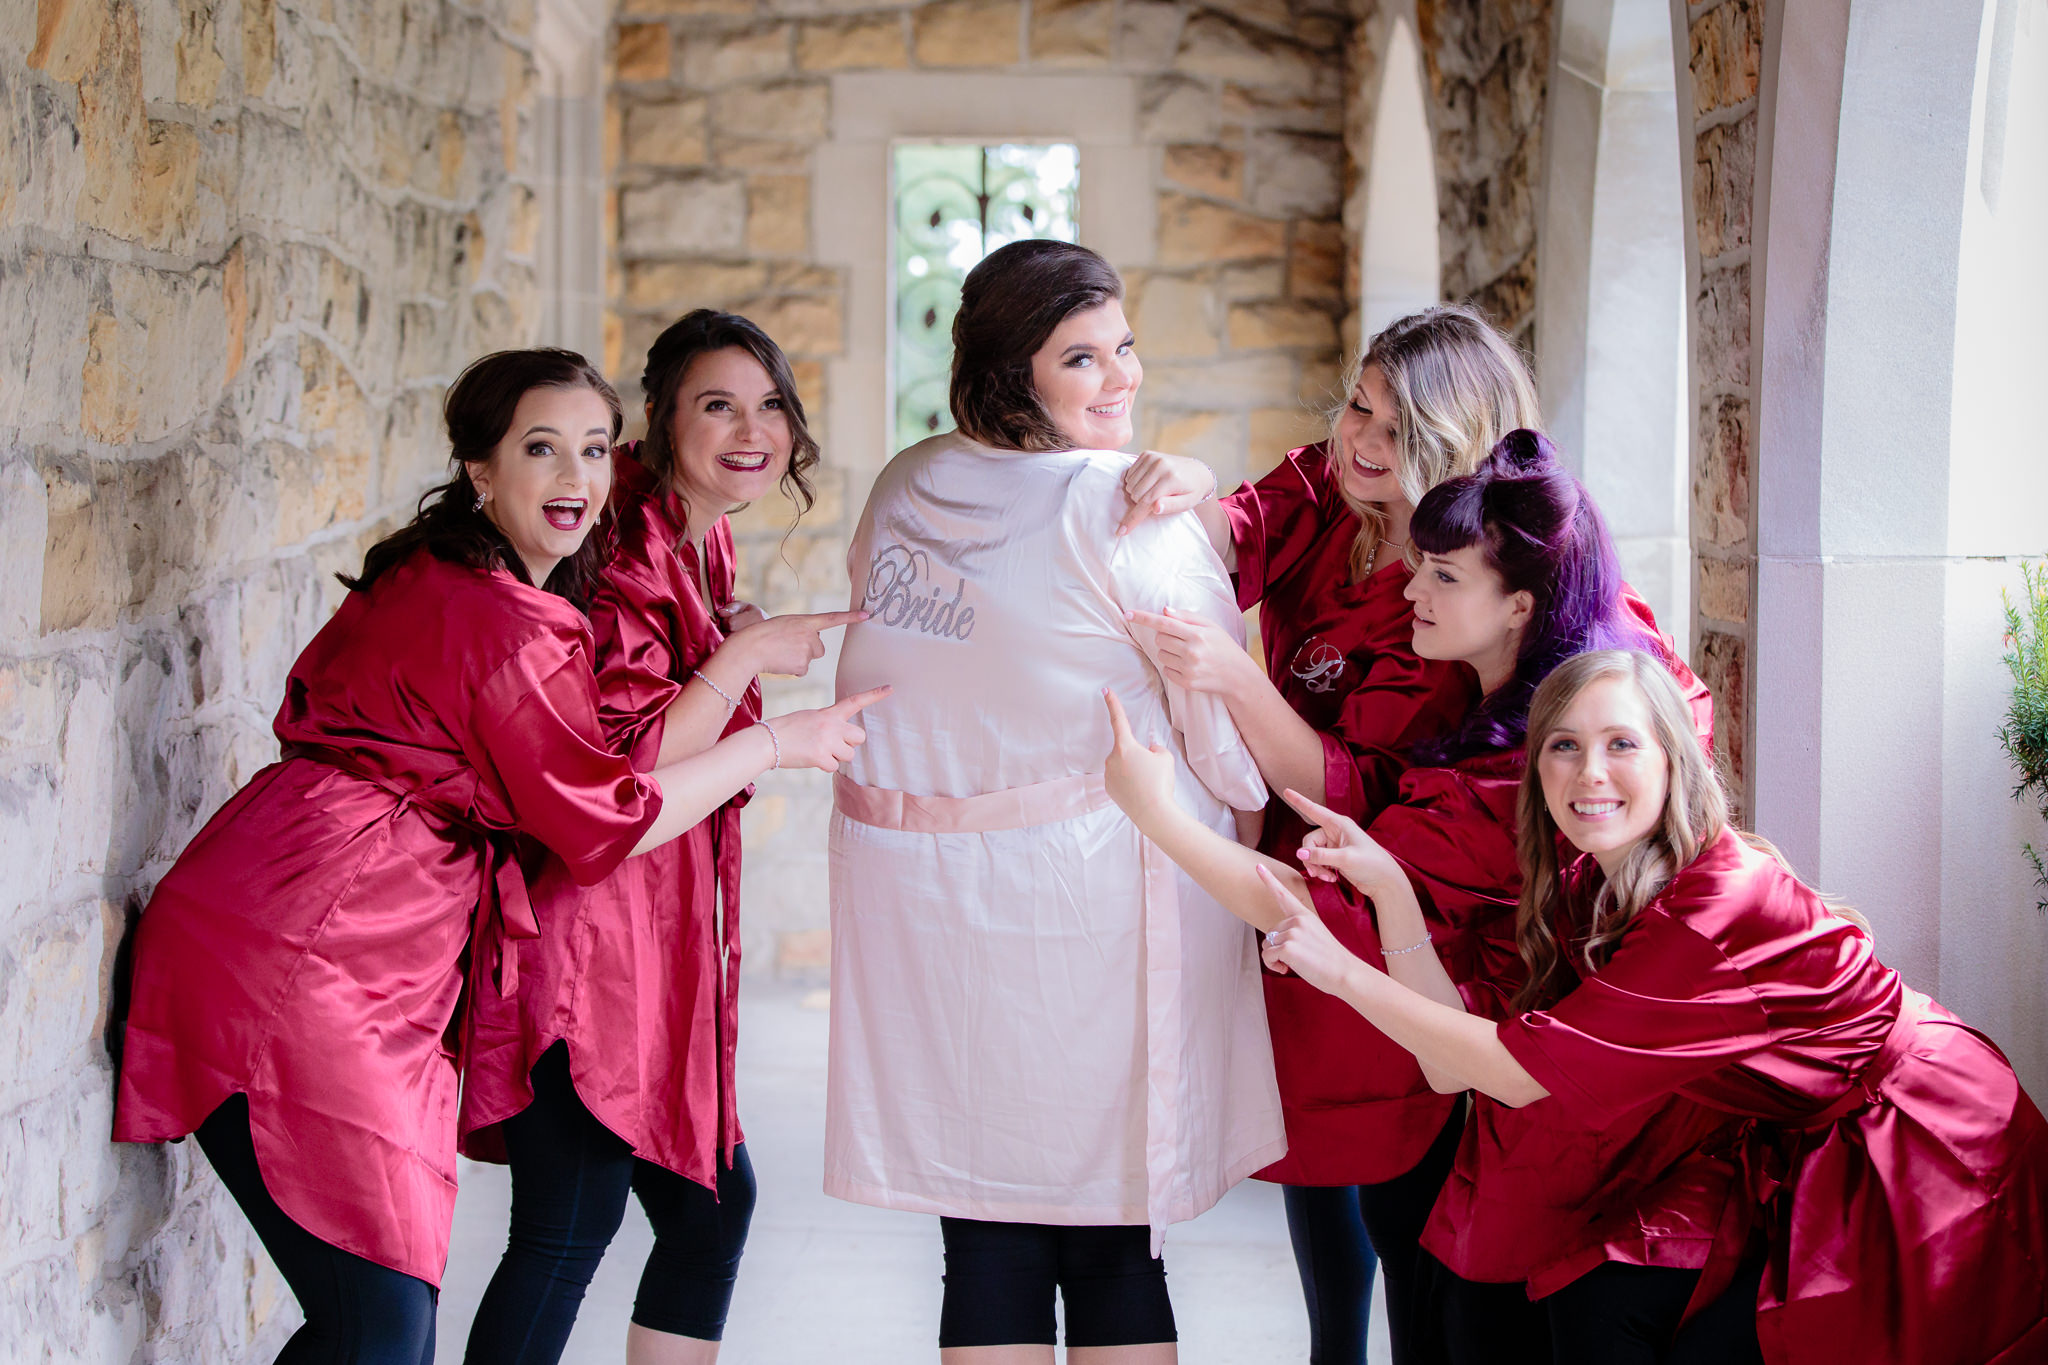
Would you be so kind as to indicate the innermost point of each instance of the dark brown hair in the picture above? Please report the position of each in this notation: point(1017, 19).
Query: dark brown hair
point(477, 413)
point(1010, 304)
point(701, 332)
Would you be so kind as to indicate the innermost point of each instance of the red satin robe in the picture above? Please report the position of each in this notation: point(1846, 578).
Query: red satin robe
point(311, 947)
point(641, 972)
point(1898, 1169)
point(1341, 653)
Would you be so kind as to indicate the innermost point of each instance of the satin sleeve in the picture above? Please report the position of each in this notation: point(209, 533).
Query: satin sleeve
point(1666, 1010)
point(1401, 701)
point(535, 722)
point(635, 623)
point(1274, 522)
point(1168, 563)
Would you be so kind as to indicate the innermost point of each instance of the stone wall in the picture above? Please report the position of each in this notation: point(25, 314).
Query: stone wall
point(1488, 63)
point(1725, 46)
point(243, 246)
point(720, 109)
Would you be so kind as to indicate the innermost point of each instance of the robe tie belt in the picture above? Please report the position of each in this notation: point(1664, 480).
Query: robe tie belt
point(1167, 1197)
point(1768, 1154)
point(504, 911)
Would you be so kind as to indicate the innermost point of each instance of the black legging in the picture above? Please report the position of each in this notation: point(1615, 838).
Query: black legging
point(1330, 1226)
point(1628, 1315)
point(357, 1312)
point(1001, 1278)
point(570, 1176)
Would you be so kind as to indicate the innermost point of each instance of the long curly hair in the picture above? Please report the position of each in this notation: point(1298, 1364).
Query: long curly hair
point(1540, 531)
point(477, 412)
point(1695, 814)
point(1010, 304)
point(1458, 384)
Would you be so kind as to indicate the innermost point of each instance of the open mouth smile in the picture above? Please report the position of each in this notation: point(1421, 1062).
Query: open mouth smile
point(1595, 810)
point(744, 461)
point(1116, 409)
point(1366, 467)
point(564, 514)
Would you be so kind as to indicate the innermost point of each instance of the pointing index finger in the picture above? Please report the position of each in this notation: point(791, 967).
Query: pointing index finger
point(831, 620)
point(1119, 723)
point(1310, 811)
point(860, 701)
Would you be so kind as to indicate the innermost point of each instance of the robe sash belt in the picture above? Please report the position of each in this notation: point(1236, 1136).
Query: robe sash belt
point(504, 911)
point(1768, 1155)
point(1167, 1197)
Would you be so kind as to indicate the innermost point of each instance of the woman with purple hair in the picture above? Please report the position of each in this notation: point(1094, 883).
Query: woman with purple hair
point(1517, 574)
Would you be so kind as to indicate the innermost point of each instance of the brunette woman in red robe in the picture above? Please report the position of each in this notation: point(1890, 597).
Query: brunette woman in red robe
point(1891, 1166)
point(1517, 572)
point(1319, 545)
point(612, 1070)
point(298, 972)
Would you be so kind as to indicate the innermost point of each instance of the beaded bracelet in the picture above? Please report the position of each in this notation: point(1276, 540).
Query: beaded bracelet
point(1411, 948)
point(731, 702)
point(772, 739)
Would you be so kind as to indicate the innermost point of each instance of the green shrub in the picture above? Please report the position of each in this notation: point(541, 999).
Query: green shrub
point(2025, 732)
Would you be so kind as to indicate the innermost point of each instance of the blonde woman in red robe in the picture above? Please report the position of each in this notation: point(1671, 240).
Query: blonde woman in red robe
point(612, 1069)
point(298, 972)
point(1892, 1168)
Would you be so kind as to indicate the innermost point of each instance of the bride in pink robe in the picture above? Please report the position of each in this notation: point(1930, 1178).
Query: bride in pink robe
point(1036, 1019)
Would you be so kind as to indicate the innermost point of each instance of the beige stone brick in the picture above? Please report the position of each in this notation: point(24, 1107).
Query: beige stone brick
point(1072, 32)
point(1296, 175)
point(967, 32)
point(84, 574)
point(705, 213)
point(1726, 50)
point(1266, 326)
point(1216, 438)
point(778, 215)
point(1177, 318)
point(1282, 109)
point(259, 45)
point(760, 158)
point(1286, 428)
point(1315, 260)
point(1148, 34)
point(774, 113)
point(1206, 169)
point(1174, 109)
point(644, 52)
point(682, 285)
point(876, 40)
point(666, 132)
point(693, 9)
point(68, 37)
point(1242, 381)
point(199, 60)
point(1192, 232)
point(1724, 590)
point(1256, 280)
point(1214, 45)
point(803, 325)
point(712, 58)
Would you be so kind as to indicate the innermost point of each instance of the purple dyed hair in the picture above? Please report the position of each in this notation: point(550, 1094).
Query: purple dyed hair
point(1541, 532)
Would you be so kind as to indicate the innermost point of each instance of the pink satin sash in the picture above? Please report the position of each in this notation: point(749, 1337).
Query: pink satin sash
point(1168, 1198)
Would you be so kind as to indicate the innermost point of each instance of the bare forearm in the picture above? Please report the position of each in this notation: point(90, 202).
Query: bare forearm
point(1446, 1041)
point(1287, 749)
point(694, 787)
point(1227, 871)
point(1217, 523)
point(697, 717)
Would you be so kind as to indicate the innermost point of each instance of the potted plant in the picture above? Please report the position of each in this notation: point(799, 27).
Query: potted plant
point(2025, 732)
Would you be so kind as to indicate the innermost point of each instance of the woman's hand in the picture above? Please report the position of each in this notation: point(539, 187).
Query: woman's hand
point(1338, 847)
point(786, 644)
point(1139, 777)
point(1197, 655)
point(826, 737)
point(737, 616)
point(1159, 485)
point(1303, 944)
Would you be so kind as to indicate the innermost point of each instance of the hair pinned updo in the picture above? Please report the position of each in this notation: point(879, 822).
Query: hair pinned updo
point(1538, 529)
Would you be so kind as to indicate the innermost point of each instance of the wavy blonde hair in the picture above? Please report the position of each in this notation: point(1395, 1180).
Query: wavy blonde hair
point(1458, 384)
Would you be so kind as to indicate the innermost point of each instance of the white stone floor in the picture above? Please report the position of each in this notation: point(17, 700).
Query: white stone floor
point(830, 1281)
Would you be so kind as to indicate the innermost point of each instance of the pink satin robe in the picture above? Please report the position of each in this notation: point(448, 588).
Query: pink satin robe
point(311, 946)
point(1035, 1016)
point(1898, 1170)
point(640, 973)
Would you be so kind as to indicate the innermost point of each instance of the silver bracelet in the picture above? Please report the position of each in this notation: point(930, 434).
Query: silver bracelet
point(772, 740)
point(1411, 948)
point(1214, 483)
point(731, 703)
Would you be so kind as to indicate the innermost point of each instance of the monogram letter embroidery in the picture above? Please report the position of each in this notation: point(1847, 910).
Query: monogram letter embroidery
point(897, 597)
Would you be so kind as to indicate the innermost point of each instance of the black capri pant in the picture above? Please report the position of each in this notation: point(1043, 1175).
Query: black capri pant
point(1001, 1279)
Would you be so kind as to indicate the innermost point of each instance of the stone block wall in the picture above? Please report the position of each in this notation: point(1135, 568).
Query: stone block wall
point(244, 244)
point(1725, 51)
point(718, 112)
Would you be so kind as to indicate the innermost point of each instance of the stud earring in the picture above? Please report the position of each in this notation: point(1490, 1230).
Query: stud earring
point(478, 505)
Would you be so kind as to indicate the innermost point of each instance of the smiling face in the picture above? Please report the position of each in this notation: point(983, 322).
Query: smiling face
point(1605, 777)
point(1369, 464)
point(1086, 375)
point(1464, 612)
point(547, 478)
point(730, 432)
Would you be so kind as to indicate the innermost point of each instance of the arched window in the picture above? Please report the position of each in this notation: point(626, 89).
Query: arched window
point(1400, 269)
